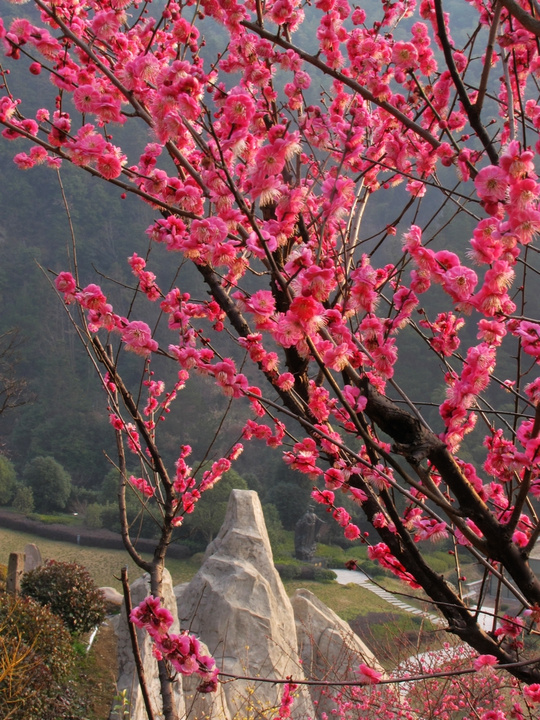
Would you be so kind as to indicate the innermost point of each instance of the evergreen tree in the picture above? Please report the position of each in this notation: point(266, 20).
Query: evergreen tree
point(8, 480)
point(49, 482)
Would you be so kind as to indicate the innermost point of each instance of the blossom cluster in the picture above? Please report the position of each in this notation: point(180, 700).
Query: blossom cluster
point(135, 334)
point(182, 650)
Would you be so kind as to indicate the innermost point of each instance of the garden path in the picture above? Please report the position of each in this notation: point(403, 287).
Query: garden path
point(344, 577)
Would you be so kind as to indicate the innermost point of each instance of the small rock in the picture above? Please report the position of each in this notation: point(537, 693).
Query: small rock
point(113, 599)
point(32, 558)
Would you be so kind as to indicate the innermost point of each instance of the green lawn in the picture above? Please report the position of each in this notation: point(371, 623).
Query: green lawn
point(104, 565)
point(347, 601)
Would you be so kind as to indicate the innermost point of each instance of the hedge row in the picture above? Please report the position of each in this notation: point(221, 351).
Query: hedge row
point(82, 536)
point(304, 572)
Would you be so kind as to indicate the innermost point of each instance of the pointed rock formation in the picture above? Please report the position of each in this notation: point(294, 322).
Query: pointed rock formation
point(32, 557)
point(238, 607)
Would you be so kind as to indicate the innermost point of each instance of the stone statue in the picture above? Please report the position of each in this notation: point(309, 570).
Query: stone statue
point(306, 531)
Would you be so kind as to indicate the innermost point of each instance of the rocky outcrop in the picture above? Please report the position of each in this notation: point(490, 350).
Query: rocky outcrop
point(205, 706)
point(113, 599)
point(328, 648)
point(237, 605)
point(128, 679)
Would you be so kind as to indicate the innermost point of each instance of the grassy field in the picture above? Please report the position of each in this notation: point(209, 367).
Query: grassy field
point(348, 601)
point(103, 565)
point(369, 614)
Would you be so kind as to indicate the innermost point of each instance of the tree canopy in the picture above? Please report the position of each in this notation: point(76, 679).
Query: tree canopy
point(49, 482)
point(356, 192)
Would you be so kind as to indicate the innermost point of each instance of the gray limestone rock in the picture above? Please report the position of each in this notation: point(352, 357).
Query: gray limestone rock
point(329, 649)
point(113, 599)
point(238, 607)
point(32, 558)
point(203, 706)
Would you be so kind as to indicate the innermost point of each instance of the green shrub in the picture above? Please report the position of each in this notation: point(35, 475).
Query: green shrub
point(276, 533)
point(441, 561)
point(81, 496)
point(23, 500)
point(324, 575)
point(286, 572)
point(440, 564)
point(284, 550)
point(144, 521)
point(50, 483)
point(47, 519)
point(297, 571)
point(197, 559)
point(373, 569)
point(110, 517)
point(334, 555)
point(92, 517)
point(69, 591)
point(36, 657)
point(8, 480)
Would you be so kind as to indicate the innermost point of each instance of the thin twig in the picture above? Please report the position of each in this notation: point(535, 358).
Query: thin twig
point(135, 646)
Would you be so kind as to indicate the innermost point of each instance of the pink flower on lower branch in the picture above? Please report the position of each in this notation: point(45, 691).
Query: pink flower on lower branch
point(182, 650)
point(142, 486)
point(65, 283)
point(368, 675)
point(510, 627)
point(341, 516)
point(304, 458)
point(352, 532)
point(109, 165)
point(532, 692)
point(491, 183)
point(483, 661)
point(287, 700)
point(520, 538)
point(381, 552)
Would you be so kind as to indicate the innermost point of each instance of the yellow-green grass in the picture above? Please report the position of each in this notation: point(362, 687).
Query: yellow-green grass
point(348, 601)
point(103, 565)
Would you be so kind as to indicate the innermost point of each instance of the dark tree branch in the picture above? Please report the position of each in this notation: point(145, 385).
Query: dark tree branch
point(525, 18)
point(471, 110)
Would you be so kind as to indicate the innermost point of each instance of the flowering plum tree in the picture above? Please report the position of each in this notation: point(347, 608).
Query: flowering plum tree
point(443, 684)
point(316, 168)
